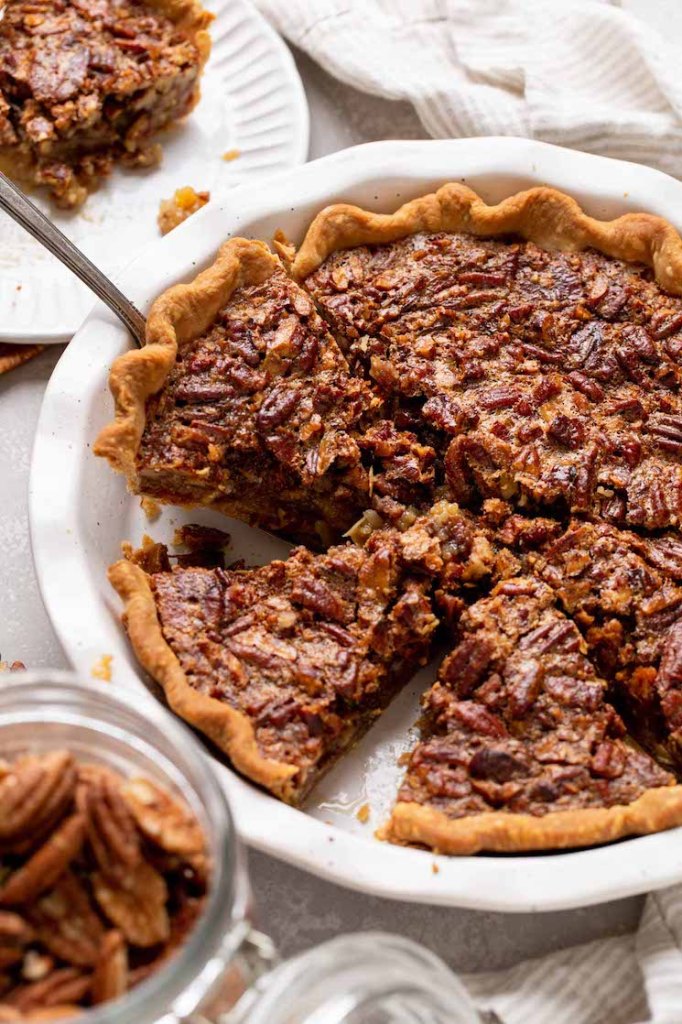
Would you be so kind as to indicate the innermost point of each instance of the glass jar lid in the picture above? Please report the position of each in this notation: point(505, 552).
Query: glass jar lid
point(366, 978)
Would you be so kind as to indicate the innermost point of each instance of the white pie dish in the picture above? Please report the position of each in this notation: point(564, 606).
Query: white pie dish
point(80, 512)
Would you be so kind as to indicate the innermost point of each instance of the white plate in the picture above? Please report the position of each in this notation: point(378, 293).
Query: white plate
point(252, 100)
point(80, 512)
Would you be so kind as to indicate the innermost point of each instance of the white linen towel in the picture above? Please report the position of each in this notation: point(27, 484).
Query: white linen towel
point(579, 73)
point(629, 979)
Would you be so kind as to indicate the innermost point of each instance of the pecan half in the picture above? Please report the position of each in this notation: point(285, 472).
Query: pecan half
point(162, 819)
point(65, 985)
point(136, 904)
point(34, 792)
point(46, 865)
point(66, 923)
point(110, 978)
point(112, 832)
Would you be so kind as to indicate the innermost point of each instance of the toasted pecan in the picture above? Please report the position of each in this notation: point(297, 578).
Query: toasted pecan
point(46, 865)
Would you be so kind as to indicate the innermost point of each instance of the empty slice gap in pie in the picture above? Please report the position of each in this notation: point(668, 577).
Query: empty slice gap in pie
point(520, 749)
point(242, 401)
point(539, 374)
point(87, 83)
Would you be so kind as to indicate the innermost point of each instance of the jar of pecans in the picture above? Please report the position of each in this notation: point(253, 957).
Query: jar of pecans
point(124, 895)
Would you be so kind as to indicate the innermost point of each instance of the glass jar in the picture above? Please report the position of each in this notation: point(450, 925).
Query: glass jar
point(226, 971)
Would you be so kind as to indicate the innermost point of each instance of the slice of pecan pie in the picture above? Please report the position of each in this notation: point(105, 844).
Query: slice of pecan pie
point(624, 593)
point(84, 83)
point(538, 374)
point(242, 400)
point(285, 666)
point(520, 749)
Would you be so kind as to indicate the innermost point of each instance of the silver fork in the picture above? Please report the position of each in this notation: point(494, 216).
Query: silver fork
point(21, 209)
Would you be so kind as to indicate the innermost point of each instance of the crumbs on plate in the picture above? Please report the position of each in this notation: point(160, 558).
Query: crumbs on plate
point(183, 204)
point(151, 508)
point(362, 814)
point(102, 668)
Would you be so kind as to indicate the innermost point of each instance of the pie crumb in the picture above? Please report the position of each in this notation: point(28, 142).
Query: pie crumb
point(362, 814)
point(15, 666)
point(184, 203)
point(102, 668)
point(284, 248)
point(232, 154)
point(434, 868)
point(151, 509)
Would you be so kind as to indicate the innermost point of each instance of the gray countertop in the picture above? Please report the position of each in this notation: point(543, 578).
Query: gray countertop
point(297, 909)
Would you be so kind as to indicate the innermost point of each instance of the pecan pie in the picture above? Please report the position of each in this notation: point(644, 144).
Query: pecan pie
point(520, 749)
point(494, 393)
point(85, 83)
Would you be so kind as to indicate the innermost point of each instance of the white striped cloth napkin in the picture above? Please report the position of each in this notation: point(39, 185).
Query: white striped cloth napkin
point(629, 979)
point(579, 73)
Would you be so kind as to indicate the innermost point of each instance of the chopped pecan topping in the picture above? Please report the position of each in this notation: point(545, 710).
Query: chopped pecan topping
point(518, 719)
point(536, 380)
point(262, 414)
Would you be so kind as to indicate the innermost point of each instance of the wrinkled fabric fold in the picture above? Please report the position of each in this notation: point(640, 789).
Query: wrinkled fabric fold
point(628, 979)
point(583, 73)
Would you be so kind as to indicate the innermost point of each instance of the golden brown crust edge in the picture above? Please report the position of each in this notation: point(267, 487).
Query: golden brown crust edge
point(501, 832)
point(228, 728)
point(542, 215)
point(178, 315)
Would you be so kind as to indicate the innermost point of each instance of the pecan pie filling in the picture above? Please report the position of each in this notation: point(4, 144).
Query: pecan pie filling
point(261, 415)
point(85, 83)
point(497, 426)
point(517, 721)
point(550, 379)
point(624, 593)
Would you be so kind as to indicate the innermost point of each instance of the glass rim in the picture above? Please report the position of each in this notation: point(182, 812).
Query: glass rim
point(374, 965)
point(154, 1000)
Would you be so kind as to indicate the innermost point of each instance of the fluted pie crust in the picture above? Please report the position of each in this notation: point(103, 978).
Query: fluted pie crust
point(544, 216)
point(550, 218)
point(178, 315)
point(230, 730)
point(500, 832)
